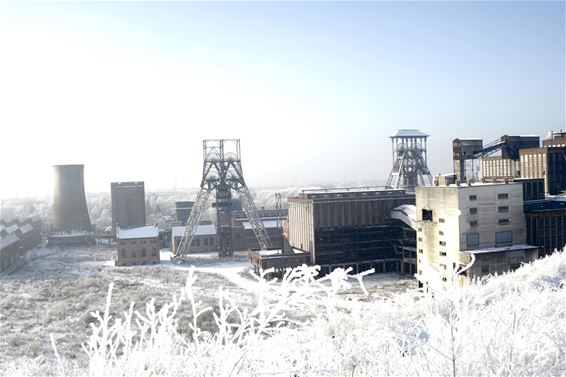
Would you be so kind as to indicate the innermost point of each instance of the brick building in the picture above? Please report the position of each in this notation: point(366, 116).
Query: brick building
point(137, 245)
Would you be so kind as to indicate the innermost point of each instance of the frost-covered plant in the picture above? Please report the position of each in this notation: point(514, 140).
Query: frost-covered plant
point(514, 324)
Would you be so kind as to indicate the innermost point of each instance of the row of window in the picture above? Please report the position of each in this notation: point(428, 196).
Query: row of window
point(474, 223)
point(206, 242)
point(501, 196)
point(133, 254)
point(502, 238)
point(500, 209)
point(134, 242)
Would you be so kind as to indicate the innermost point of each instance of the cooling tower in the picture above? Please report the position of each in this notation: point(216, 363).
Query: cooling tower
point(69, 202)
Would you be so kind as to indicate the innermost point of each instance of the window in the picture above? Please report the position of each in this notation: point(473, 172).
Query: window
point(144, 254)
point(473, 224)
point(473, 197)
point(420, 239)
point(427, 214)
point(503, 221)
point(503, 209)
point(441, 220)
point(420, 272)
point(420, 230)
point(198, 241)
point(154, 252)
point(123, 253)
point(503, 238)
point(420, 251)
point(473, 211)
point(133, 254)
point(443, 266)
point(444, 278)
point(472, 240)
point(442, 253)
point(440, 233)
point(503, 196)
point(206, 242)
point(442, 243)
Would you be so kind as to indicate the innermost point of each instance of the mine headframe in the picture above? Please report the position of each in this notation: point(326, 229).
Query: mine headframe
point(222, 173)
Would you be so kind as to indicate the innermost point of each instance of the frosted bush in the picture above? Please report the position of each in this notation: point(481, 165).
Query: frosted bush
point(513, 324)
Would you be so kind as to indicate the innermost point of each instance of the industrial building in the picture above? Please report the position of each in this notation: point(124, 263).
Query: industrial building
point(546, 224)
point(137, 246)
point(16, 238)
point(183, 211)
point(348, 227)
point(128, 204)
point(243, 235)
point(70, 211)
point(204, 239)
point(479, 222)
point(547, 162)
point(473, 160)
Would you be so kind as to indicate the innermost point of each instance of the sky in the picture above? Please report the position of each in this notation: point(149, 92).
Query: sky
point(312, 89)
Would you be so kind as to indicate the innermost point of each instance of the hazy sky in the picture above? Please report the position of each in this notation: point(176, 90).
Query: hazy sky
point(313, 90)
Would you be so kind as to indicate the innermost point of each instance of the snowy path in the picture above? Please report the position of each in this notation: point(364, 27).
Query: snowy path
point(232, 272)
point(209, 263)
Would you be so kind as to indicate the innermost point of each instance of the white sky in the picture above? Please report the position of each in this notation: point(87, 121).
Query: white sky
point(131, 91)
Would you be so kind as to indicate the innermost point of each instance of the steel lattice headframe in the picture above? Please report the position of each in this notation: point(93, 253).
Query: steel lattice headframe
point(222, 171)
point(409, 160)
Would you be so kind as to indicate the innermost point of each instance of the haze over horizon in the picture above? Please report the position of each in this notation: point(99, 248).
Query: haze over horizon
point(312, 90)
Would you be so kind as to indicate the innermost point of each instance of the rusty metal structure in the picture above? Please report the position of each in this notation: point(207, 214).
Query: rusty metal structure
point(222, 173)
point(70, 211)
point(409, 160)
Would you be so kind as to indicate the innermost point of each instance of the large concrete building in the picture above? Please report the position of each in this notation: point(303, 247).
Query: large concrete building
point(546, 224)
point(547, 162)
point(128, 204)
point(348, 227)
point(457, 224)
point(137, 246)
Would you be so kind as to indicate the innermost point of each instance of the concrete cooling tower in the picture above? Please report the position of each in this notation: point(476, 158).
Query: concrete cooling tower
point(69, 202)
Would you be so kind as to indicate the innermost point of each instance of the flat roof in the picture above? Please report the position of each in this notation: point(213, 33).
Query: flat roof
point(501, 249)
point(464, 185)
point(127, 184)
point(148, 231)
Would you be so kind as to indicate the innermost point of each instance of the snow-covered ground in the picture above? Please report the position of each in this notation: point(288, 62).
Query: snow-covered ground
point(55, 292)
point(510, 325)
